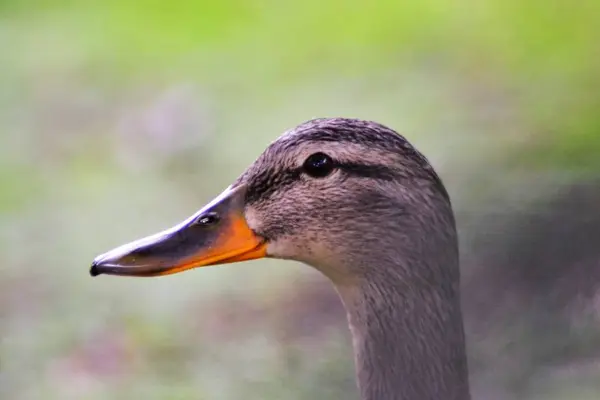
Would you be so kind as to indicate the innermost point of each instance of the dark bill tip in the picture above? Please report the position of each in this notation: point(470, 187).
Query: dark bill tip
point(94, 270)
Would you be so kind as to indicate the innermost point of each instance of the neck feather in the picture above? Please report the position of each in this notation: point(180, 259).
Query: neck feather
point(408, 335)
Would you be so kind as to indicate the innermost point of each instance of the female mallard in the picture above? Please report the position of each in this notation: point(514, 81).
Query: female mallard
point(356, 201)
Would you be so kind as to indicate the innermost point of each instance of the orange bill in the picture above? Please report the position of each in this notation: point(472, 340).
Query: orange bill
point(217, 234)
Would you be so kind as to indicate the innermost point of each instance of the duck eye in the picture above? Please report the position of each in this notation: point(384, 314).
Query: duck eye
point(318, 165)
point(208, 219)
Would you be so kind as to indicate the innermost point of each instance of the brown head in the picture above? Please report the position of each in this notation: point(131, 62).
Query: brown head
point(334, 193)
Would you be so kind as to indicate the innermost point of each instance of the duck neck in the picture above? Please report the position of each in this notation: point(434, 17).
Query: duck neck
point(408, 335)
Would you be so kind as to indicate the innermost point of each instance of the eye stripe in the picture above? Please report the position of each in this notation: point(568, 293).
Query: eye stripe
point(368, 171)
point(270, 181)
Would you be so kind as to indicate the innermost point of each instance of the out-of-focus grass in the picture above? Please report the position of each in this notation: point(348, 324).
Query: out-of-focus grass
point(118, 118)
point(543, 54)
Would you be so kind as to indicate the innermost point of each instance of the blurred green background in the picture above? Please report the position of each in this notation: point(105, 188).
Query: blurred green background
point(120, 118)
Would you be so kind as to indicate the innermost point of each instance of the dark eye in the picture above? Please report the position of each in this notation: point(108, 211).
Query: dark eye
point(208, 219)
point(318, 165)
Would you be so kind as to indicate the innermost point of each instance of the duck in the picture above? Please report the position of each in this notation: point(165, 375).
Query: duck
point(355, 200)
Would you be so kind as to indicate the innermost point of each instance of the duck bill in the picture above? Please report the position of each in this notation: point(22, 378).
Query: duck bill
point(217, 234)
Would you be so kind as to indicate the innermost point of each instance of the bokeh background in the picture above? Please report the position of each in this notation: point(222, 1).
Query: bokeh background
point(120, 118)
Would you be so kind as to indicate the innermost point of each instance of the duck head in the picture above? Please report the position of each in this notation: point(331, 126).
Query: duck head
point(334, 193)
